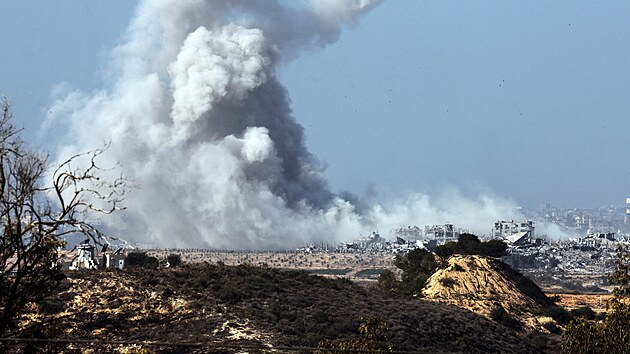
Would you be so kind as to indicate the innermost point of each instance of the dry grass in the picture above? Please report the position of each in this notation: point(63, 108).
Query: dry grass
point(289, 260)
point(270, 307)
point(571, 301)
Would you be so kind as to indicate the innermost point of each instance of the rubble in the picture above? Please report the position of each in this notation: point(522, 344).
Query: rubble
point(593, 254)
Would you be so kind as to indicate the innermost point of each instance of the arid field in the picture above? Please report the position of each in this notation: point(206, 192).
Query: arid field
point(360, 266)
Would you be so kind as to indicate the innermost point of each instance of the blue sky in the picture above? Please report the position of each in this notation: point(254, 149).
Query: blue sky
point(524, 100)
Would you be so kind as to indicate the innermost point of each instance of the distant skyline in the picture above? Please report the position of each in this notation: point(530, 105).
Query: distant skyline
point(526, 101)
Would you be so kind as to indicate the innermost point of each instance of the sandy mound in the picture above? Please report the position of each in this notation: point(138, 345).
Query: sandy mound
point(481, 284)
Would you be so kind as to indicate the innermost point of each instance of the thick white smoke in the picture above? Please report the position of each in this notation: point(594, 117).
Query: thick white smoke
point(196, 116)
point(555, 232)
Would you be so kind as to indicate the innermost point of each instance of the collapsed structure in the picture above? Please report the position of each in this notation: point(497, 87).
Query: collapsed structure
point(441, 234)
point(87, 257)
point(593, 254)
point(513, 232)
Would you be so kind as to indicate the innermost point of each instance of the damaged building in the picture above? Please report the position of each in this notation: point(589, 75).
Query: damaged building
point(86, 256)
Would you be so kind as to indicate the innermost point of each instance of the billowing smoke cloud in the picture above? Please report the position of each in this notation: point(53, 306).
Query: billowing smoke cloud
point(555, 232)
point(195, 114)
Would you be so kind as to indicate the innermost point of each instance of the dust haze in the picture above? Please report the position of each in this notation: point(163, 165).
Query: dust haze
point(194, 113)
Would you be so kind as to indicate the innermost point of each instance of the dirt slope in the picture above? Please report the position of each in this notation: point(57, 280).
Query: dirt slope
point(480, 284)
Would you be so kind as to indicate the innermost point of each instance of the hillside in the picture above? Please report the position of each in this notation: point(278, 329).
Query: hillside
point(258, 306)
point(482, 284)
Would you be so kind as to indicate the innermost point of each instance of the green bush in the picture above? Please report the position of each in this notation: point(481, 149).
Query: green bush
point(371, 339)
point(387, 280)
point(417, 266)
point(584, 312)
point(471, 245)
point(552, 328)
point(612, 334)
point(494, 248)
point(503, 317)
point(448, 249)
point(136, 259)
point(559, 314)
point(413, 286)
point(174, 260)
point(141, 260)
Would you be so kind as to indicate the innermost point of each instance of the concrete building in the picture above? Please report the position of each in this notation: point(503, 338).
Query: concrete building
point(441, 233)
point(408, 234)
point(513, 231)
point(86, 257)
point(114, 260)
point(601, 234)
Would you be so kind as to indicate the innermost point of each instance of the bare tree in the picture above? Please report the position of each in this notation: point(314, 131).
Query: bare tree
point(35, 216)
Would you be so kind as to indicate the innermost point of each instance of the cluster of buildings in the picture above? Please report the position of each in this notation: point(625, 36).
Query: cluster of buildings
point(592, 253)
point(431, 236)
point(589, 255)
point(576, 221)
point(404, 239)
point(591, 250)
point(86, 256)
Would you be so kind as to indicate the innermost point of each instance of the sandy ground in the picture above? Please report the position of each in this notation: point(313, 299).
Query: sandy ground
point(570, 301)
point(350, 263)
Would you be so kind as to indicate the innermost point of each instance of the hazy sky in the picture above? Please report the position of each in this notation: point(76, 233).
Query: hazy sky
point(528, 101)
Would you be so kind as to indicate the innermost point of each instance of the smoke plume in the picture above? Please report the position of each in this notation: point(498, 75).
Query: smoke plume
point(195, 114)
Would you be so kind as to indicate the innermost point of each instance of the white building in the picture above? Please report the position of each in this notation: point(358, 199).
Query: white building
point(408, 234)
point(114, 260)
point(513, 231)
point(441, 233)
point(86, 257)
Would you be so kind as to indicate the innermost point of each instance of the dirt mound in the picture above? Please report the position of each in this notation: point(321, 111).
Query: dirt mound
point(259, 306)
point(483, 284)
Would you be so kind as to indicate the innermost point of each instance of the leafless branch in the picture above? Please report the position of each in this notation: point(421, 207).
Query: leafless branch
point(35, 217)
